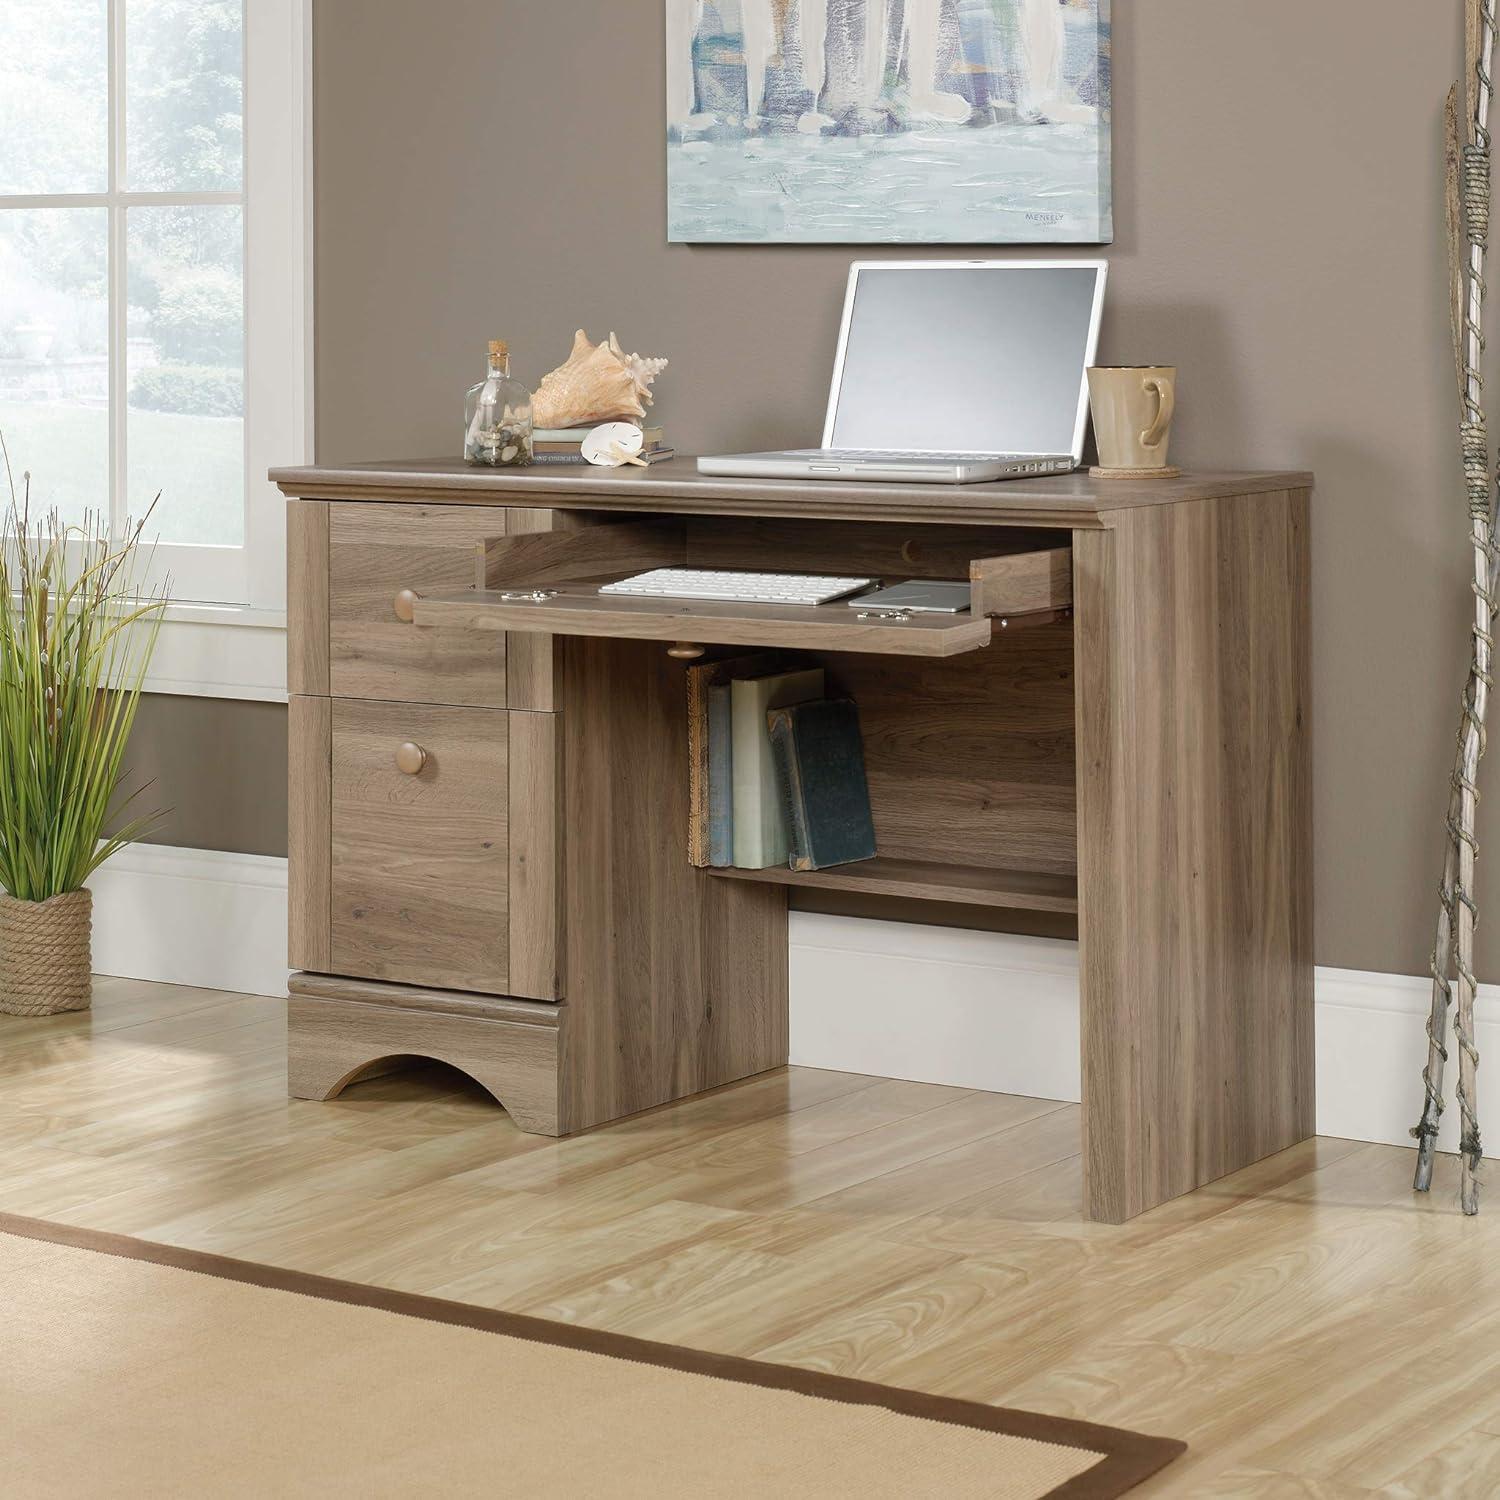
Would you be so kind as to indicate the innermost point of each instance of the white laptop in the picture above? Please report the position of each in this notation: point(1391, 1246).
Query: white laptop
point(949, 371)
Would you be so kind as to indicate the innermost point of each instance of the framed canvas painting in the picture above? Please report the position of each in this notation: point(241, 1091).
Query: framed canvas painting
point(980, 122)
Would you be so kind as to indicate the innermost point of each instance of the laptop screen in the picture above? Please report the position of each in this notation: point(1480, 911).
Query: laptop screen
point(966, 359)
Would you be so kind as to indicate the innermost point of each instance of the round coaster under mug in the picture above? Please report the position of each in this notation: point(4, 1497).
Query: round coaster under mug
point(1166, 471)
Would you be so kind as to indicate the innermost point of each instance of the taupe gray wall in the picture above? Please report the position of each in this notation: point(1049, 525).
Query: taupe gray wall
point(217, 770)
point(494, 167)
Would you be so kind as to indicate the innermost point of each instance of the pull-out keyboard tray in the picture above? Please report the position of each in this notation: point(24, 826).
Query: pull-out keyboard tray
point(548, 583)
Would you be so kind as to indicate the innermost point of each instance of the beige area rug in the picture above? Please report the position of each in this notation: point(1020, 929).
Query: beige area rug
point(134, 1369)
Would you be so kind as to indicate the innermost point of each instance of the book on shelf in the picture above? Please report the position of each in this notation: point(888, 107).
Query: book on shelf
point(820, 765)
point(710, 753)
point(761, 833)
point(720, 777)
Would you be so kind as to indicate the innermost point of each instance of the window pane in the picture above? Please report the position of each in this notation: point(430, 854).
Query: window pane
point(54, 96)
point(54, 354)
point(184, 95)
point(186, 358)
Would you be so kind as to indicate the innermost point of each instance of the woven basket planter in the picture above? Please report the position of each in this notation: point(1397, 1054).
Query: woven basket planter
point(44, 954)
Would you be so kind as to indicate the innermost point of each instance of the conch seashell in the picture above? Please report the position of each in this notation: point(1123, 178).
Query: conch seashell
point(599, 383)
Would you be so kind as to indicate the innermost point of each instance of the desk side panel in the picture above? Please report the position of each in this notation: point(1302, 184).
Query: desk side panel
point(307, 597)
point(676, 981)
point(309, 832)
point(1195, 846)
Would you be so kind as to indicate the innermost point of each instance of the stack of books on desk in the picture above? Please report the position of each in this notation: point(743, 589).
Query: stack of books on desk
point(776, 770)
point(561, 445)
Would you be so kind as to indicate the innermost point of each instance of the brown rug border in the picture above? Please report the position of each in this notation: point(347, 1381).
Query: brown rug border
point(1128, 1457)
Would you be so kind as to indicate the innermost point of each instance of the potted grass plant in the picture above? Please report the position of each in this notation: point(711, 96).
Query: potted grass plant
point(77, 629)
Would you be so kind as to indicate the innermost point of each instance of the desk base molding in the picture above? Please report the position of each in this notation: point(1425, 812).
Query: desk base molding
point(331, 1043)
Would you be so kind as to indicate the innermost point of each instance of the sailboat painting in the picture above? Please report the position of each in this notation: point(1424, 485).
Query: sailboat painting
point(982, 122)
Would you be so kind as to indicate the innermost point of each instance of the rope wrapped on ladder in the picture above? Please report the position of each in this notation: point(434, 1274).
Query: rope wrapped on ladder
point(1476, 189)
point(1475, 441)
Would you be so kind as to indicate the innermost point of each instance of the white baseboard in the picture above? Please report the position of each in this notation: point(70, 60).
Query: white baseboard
point(935, 1004)
point(894, 999)
point(990, 1011)
point(192, 916)
point(1372, 1042)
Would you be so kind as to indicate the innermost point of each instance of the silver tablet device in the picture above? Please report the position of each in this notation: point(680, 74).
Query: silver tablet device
point(919, 595)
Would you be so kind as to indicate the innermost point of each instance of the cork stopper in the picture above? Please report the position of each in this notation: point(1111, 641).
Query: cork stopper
point(499, 349)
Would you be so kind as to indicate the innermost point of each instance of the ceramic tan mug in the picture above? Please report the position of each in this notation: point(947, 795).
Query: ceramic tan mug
point(1133, 409)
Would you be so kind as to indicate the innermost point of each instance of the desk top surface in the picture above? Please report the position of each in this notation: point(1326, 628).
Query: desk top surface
point(676, 486)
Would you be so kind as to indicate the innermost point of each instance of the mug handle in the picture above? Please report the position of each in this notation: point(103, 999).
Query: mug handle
point(1162, 390)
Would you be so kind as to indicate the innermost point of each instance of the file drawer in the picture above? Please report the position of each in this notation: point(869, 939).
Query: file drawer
point(424, 845)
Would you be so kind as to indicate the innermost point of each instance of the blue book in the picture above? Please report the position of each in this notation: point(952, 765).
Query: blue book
point(720, 777)
point(820, 763)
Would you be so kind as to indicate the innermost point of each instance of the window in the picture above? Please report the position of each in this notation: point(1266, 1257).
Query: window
point(153, 271)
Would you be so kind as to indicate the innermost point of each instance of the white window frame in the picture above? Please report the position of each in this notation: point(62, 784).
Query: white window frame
point(226, 636)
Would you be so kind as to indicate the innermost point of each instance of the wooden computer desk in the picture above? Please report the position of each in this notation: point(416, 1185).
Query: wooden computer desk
point(489, 793)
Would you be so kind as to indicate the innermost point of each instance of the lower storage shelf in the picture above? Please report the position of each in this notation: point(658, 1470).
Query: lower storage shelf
point(1016, 890)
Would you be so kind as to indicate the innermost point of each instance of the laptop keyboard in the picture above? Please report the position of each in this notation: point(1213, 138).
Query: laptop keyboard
point(887, 455)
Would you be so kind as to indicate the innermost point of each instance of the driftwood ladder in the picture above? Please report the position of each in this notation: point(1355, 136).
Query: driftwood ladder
point(1468, 179)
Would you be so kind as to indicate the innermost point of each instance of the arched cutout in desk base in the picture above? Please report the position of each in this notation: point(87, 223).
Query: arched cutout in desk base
point(384, 1067)
point(333, 1042)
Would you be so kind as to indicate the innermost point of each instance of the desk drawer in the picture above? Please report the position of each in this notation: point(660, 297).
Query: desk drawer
point(549, 585)
point(379, 556)
point(424, 845)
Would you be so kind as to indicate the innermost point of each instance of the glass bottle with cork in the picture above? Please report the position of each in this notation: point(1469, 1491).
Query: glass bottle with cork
point(497, 415)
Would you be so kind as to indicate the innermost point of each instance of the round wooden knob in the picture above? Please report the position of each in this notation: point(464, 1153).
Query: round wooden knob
point(404, 603)
point(410, 758)
point(684, 651)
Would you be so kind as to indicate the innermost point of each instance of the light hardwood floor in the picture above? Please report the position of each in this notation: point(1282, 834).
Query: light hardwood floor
point(1307, 1325)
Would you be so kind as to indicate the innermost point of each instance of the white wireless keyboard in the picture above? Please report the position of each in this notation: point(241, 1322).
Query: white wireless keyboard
point(736, 586)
